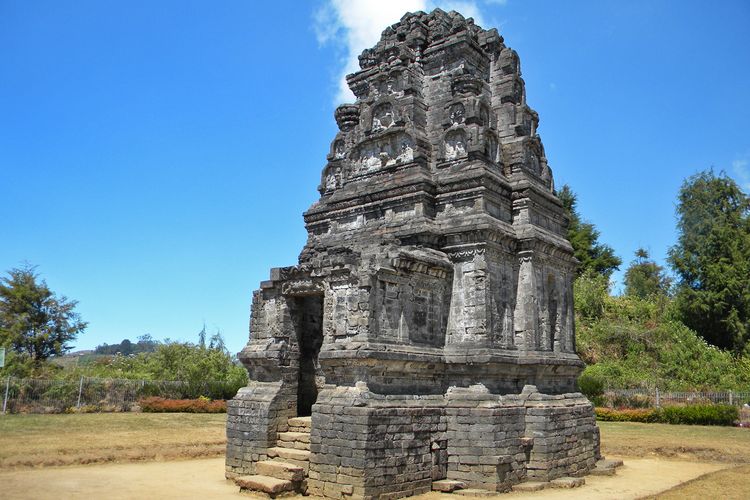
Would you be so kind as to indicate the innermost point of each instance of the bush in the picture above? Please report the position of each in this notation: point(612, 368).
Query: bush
point(688, 415)
point(699, 415)
point(592, 386)
point(644, 415)
point(200, 405)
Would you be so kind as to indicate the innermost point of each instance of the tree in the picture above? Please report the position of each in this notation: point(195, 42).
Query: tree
point(34, 322)
point(712, 259)
point(584, 237)
point(644, 278)
point(202, 336)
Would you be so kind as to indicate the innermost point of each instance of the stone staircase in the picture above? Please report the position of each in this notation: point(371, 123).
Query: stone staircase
point(285, 473)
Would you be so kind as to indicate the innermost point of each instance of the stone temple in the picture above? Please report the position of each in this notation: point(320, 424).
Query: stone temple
point(426, 335)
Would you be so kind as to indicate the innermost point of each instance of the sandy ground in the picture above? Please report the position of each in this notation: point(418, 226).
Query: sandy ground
point(205, 479)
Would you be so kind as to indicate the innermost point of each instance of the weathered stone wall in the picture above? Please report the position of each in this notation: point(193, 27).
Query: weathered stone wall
point(253, 419)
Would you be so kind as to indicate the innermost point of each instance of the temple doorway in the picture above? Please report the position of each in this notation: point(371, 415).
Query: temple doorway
point(308, 323)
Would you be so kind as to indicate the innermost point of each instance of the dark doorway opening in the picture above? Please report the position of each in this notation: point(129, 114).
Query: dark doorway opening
point(308, 319)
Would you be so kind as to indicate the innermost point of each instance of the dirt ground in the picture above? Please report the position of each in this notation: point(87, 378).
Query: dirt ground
point(90, 456)
point(200, 479)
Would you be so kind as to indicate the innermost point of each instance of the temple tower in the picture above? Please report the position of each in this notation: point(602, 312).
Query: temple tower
point(428, 327)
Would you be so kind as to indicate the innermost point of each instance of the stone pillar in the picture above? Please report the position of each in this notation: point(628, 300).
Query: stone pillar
point(468, 319)
point(526, 314)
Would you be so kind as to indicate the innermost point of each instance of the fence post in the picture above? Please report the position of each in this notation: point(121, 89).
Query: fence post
point(80, 390)
point(658, 399)
point(5, 399)
point(731, 398)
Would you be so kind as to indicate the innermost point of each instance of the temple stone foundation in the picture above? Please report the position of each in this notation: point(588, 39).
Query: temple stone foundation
point(426, 337)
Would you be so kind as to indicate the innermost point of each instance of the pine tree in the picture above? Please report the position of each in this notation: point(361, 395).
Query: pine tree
point(584, 237)
point(644, 278)
point(34, 322)
point(712, 259)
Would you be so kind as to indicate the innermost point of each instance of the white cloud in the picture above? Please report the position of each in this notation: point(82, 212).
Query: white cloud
point(741, 169)
point(497, 2)
point(354, 25)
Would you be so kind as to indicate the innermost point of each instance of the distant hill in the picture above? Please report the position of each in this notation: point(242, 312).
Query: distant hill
point(126, 347)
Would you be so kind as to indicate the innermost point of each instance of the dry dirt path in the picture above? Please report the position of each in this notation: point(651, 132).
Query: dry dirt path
point(204, 478)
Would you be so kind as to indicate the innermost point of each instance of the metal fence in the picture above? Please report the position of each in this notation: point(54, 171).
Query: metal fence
point(635, 398)
point(93, 394)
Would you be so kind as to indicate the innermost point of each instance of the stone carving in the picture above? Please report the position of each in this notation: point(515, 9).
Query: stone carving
point(383, 152)
point(382, 117)
point(455, 144)
point(347, 117)
point(427, 331)
point(457, 112)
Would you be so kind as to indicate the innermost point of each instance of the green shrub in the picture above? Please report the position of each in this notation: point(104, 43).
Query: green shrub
point(699, 414)
point(592, 386)
point(687, 415)
point(644, 415)
point(200, 405)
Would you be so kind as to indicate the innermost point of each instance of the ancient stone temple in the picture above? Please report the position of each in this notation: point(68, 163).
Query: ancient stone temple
point(426, 335)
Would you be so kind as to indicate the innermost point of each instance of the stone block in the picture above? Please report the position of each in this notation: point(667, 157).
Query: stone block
point(567, 482)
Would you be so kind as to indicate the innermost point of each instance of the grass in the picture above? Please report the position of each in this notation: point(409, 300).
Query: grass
point(727, 484)
point(690, 442)
point(729, 445)
point(43, 440)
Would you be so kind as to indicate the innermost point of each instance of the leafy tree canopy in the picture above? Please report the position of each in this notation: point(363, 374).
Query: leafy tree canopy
point(712, 259)
point(644, 278)
point(584, 237)
point(126, 347)
point(35, 323)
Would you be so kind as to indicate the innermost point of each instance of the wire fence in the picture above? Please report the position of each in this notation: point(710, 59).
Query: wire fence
point(649, 398)
point(24, 395)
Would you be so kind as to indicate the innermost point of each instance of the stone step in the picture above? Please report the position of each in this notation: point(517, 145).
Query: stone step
point(605, 467)
point(610, 462)
point(529, 486)
point(296, 440)
point(447, 485)
point(300, 424)
point(567, 482)
point(289, 454)
point(602, 471)
point(475, 492)
point(303, 437)
point(280, 470)
point(271, 486)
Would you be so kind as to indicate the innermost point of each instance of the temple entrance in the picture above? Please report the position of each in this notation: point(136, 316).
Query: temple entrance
point(308, 322)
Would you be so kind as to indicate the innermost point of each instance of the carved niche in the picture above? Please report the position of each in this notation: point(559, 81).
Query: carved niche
point(455, 144)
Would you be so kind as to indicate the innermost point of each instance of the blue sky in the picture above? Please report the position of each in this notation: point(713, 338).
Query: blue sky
point(156, 157)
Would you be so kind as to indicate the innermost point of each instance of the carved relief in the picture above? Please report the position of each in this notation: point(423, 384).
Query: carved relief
point(484, 116)
point(455, 144)
point(339, 150)
point(491, 148)
point(383, 152)
point(347, 117)
point(382, 117)
point(457, 113)
point(535, 164)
